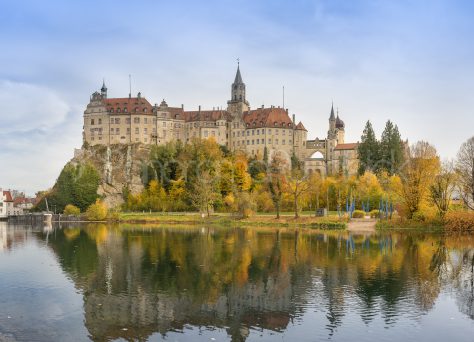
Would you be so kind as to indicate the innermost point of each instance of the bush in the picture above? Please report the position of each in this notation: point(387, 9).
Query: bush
point(358, 214)
point(374, 213)
point(72, 210)
point(97, 211)
point(459, 221)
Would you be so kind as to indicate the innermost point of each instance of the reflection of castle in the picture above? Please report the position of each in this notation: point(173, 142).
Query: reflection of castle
point(239, 279)
point(130, 120)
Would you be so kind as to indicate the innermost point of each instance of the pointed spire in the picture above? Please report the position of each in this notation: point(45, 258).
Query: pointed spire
point(238, 77)
point(332, 117)
point(104, 88)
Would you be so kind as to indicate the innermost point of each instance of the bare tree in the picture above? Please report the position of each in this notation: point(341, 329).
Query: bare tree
point(465, 169)
point(443, 187)
point(297, 185)
point(204, 192)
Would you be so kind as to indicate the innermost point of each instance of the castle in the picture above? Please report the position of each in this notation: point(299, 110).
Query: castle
point(131, 120)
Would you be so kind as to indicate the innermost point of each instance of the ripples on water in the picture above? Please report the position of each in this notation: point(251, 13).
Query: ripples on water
point(101, 283)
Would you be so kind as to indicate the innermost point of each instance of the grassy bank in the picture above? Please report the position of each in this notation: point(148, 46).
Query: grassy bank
point(330, 222)
point(405, 224)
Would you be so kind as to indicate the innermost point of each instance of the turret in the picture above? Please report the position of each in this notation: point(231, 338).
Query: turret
point(237, 103)
point(103, 90)
point(332, 123)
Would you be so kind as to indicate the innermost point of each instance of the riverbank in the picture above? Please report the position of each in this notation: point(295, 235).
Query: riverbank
point(329, 222)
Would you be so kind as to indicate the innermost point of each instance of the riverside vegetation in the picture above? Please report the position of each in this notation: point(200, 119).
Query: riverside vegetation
point(223, 185)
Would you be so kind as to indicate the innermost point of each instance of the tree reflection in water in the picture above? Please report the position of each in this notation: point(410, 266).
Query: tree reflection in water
point(157, 280)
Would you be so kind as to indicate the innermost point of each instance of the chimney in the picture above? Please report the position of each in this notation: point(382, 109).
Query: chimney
point(182, 106)
point(199, 107)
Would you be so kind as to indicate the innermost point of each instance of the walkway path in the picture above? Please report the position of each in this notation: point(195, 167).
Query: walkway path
point(362, 225)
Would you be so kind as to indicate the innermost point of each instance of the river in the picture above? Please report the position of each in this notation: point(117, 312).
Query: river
point(180, 283)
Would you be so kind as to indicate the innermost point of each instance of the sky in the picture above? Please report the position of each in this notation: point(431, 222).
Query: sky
point(408, 61)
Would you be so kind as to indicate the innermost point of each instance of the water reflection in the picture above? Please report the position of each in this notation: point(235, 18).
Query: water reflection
point(139, 281)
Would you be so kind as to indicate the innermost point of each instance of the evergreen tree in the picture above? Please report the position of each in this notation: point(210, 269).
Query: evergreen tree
point(265, 155)
point(368, 150)
point(391, 149)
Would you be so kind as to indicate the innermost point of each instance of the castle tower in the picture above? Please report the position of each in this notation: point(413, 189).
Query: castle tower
point(103, 90)
point(332, 124)
point(339, 129)
point(237, 103)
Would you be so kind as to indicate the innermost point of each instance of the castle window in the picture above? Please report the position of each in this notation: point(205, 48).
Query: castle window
point(117, 121)
point(128, 130)
point(284, 132)
point(258, 141)
point(253, 132)
point(136, 120)
point(127, 120)
point(92, 121)
point(263, 141)
point(111, 131)
point(100, 121)
point(283, 142)
point(269, 131)
point(269, 141)
point(112, 120)
point(145, 120)
point(240, 97)
point(117, 131)
point(248, 133)
point(145, 130)
point(137, 130)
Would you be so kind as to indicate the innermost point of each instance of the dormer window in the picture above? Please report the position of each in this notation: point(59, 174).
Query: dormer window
point(111, 110)
point(118, 110)
point(125, 110)
point(144, 110)
point(136, 110)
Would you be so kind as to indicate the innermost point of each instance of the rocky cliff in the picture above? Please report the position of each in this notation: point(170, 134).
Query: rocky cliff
point(120, 167)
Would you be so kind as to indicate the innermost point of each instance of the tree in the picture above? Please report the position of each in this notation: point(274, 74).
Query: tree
point(368, 150)
point(297, 185)
point(71, 210)
point(465, 169)
point(417, 175)
point(315, 188)
point(97, 211)
point(276, 181)
point(442, 189)
point(391, 149)
point(204, 192)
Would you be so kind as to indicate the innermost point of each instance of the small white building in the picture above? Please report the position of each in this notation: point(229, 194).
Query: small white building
point(6, 204)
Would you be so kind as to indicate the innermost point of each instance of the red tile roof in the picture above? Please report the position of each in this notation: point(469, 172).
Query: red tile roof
point(348, 146)
point(132, 105)
point(267, 117)
point(8, 196)
point(206, 115)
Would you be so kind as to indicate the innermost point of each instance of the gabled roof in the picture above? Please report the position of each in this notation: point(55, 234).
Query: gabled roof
point(267, 117)
point(348, 146)
point(300, 126)
point(8, 196)
point(206, 115)
point(132, 104)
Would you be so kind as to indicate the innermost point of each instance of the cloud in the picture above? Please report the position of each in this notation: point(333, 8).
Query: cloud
point(27, 107)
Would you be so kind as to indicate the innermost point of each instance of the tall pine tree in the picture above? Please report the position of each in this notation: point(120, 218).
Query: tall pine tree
point(391, 149)
point(368, 151)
